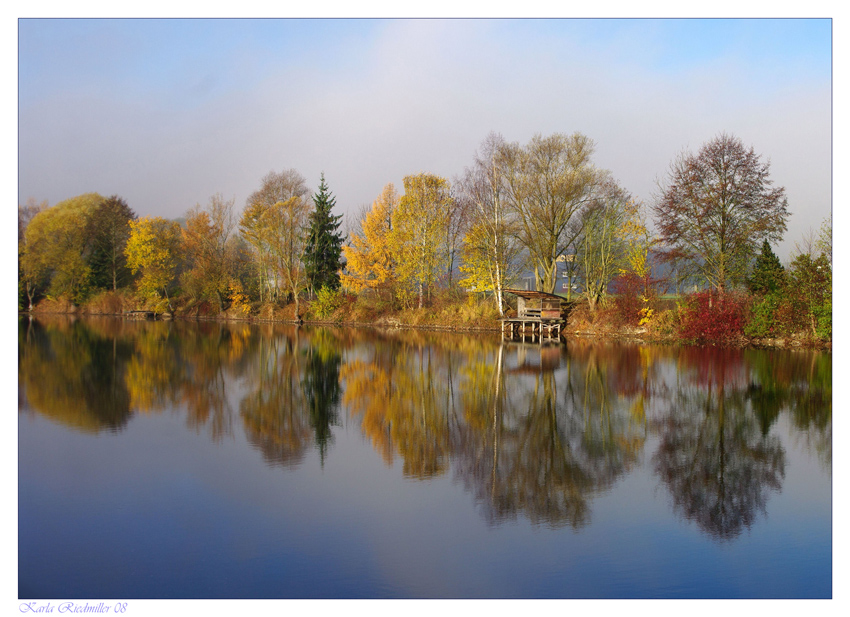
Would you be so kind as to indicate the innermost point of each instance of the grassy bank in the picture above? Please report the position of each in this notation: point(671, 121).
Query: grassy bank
point(679, 320)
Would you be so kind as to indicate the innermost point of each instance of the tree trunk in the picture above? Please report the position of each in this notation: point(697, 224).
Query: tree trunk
point(297, 305)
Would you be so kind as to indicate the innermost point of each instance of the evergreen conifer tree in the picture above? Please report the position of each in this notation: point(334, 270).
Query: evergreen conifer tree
point(324, 243)
point(768, 274)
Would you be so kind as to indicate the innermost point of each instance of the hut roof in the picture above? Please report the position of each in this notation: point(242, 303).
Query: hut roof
point(533, 295)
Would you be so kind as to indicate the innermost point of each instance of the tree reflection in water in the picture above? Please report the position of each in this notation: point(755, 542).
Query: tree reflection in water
point(543, 435)
point(321, 388)
point(402, 393)
point(715, 456)
point(530, 431)
point(74, 372)
point(273, 409)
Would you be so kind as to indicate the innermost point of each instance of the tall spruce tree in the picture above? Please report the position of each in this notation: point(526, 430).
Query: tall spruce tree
point(768, 274)
point(324, 243)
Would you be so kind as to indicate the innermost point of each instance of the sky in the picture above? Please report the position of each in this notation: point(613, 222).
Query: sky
point(167, 113)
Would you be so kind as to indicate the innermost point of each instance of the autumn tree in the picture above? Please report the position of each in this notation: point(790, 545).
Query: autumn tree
point(153, 249)
point(603, 247)
point(32, 277)
point(27, 213)
point(277, 231)
point(419, 232)
point(717, 206)
point(548, 183)
point(324, 242)
point(209, 251)
point(110, 229)
point(370, 261)
point(639, 244)
point(458, 220)
point(490, 249)
point(58, 245)
point(287, 221)
point(262, 211)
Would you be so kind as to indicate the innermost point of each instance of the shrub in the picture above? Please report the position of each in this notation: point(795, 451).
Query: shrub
point(107, 303)
point(327, 302)
point(55, 305)
point(665, 323)
point(711, 317)
point(628, 299)
point(632, 304)
point(239, 301)
point(763, 319)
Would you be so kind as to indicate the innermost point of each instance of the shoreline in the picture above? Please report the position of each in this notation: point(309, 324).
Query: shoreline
point(394, 324)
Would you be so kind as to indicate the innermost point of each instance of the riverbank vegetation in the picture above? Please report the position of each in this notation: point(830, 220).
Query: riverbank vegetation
point(443, 253)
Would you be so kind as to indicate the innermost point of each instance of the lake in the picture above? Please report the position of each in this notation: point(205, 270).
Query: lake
point(230, 460)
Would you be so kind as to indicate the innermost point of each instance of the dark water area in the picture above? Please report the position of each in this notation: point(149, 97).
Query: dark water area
point(208, 460)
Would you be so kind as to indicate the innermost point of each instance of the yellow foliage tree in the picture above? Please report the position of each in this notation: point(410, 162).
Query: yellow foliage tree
point(209, 251)
point(370, 260)
point(276, 231)
point(420, 230)
point(153, 249)
point(58, 245)
point(639, 242)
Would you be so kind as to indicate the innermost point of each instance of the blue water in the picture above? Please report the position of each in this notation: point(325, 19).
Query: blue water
point(178, 461)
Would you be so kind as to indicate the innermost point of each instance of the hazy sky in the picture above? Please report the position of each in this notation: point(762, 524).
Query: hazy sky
point(167, 113)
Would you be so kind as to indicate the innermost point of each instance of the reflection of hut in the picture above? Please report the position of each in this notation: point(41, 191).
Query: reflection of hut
point(539, 315)
point(535, 358)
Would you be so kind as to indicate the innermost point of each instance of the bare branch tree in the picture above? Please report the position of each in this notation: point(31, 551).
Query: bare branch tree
point(717, 207)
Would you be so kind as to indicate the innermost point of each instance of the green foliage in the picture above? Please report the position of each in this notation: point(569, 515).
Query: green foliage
point(324, 242)
point(110, 229)
point(768, 275)
point(810, 286)
point(823, 242)
point(763, 319)
point(823, 316)
point(801, 305)
point(327, 302)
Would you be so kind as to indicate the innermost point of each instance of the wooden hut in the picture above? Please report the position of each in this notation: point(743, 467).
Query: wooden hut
point(539, 315)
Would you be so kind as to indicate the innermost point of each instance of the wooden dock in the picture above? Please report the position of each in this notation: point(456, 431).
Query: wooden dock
point(148, 315)
point(540, 317)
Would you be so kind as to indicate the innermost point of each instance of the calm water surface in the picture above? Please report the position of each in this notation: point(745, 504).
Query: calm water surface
point(178, 460)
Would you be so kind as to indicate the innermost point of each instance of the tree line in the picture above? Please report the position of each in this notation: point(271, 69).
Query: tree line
point(516, 209)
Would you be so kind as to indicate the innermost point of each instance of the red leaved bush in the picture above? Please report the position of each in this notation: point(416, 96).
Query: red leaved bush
point(628, 299)
point(710, 317)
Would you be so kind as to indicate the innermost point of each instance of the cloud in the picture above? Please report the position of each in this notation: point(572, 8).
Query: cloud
point(182, 110)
